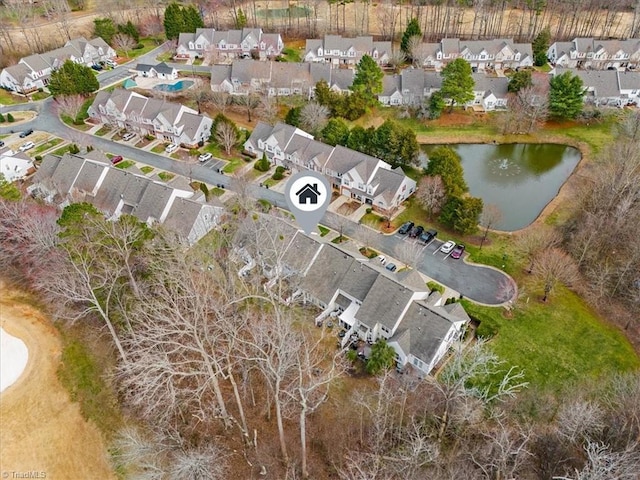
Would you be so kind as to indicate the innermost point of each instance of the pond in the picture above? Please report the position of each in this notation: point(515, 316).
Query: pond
point(520, 179)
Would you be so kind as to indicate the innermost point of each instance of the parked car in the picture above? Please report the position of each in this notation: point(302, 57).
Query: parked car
point(391, 267)
point(111, 63)
point(128, 136)
point(427, 236)
point(205, 156)
point(26, 133)
point(447, 246)
point(417, 231)
point(172, 147)
point(96, 67)
point(27, 146)
point(457, 251)
point(116, 159)
point(406, 228)
point(1, 144)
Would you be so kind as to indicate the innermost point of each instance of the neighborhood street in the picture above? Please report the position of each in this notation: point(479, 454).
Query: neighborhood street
point(476, 282)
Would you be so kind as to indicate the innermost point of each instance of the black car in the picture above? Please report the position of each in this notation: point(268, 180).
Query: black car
point(427, 236)
point(96, 67)
point(391, 267)
point(417, 231)
point(26, 133)
point(1, 144)
point(406, 228)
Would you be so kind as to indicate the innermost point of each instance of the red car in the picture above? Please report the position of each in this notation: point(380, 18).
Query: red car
point(116, 159)
point(457, 251)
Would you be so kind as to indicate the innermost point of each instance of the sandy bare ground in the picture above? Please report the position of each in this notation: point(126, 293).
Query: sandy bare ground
point(42, 430)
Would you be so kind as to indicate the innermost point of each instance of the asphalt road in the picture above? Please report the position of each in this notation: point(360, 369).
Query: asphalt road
point(476, 282)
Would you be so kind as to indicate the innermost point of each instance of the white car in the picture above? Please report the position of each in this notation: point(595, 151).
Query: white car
point(205, 156)
point(27, 146)
point(447, 246)
point(128, 136)
point(172, 147)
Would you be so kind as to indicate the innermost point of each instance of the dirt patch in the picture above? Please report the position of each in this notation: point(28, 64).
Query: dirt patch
point(42, 429)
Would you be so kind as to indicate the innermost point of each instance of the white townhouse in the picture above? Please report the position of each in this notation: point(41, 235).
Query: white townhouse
point(370, 302)
point(495, 54)
point(607, 88)
point(361, 177)
point(277, 79)
point(15, 166)
point(337, 50)
point(222, 46)
point(490, 93)
point(91, 178)
point(411, 87)
point(590, 53)
point(161, 70)
point(169, 121)
point(33, 72)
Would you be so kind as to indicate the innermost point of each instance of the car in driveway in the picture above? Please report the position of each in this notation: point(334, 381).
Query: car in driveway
point(1, 144)
point(427, 236)
point(172, 147)
point(447, 246)
point(26, 133)
point(96, 67)
point(406, 228)
point(27, 146)
point(116, 159)
point(417, 231)
point(457, 251)
point(391, 267)
point(128, 136)
point(205, 156)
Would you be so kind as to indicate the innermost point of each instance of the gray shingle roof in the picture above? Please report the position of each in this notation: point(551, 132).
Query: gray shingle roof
point(384, 303)
point(326, 273)
point(497, 85)
point(300, 252)
point(629, 80)
point(220, 73)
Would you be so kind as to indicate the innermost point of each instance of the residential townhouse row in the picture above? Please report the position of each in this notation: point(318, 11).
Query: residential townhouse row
point(339, 51)
point(277, 78)
point(226, 45)
point(91, 178)
point(371, 302)
point(607, 88)
point(590, 53)
point(171, 122)
point(361, 177)
point(33, 72)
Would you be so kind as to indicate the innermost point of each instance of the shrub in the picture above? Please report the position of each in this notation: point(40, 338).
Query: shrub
point(369, 210)
point(10, 118)
point(149, 137)
point(194, 152)
point(38, 158)
point(435, 286)
point(1, 118)
point(263, 164)
point(139, 46)
point(265, 204)
point(89, 148)
point(73, 148)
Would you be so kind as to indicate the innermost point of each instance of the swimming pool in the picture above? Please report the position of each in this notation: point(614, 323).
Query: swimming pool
point(174, 87)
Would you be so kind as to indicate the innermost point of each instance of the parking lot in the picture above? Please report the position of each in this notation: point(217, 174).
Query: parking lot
point(214, 164)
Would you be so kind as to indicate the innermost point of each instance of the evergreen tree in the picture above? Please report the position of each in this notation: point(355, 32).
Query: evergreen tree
point(241, 19)
point(192, 19)
point(413, 30)
point(130, 29)
point(1, 118)
point(293, 116)
point(8, 190)
point(368, 79)
point(566, 96)
point(10, 118)
point(540, 46)
point(351, 106)
point(462, 214)
point(262, 165)
point(336, 132)
point(519, 80)
point(383, 357)
point(105, 29)
point(358, 139)
point(457, 82)
point(445, 162)
point(72, 79)
point(174, 23)
point(436, 105)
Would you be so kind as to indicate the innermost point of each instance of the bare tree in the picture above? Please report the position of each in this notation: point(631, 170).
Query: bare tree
point(409, 253)
point(532, 241)
point(602, 463)
point(248, 102)
point(220, 100)
point(527, 108)
point(124, 42)
point(397, 59)
point(491, 214)
point(200, 93)
point(431, 194)
point(552, 266)
point(418, 50)
point(314, 117)
point(579, 419)
point(227, 136)
point(267, 108)
point(70, 105)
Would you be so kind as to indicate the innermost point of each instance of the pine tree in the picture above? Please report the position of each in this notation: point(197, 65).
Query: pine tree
point(10, 118)
point(413, 30)
point(566, 96)
point(368, 79)
point(241, 19)
point(105, 29)
point(457, 82)
point(192, 19)
point(174, 23)
point(540, 46)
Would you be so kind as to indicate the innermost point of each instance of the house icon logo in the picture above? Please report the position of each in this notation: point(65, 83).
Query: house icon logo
point(308, 194)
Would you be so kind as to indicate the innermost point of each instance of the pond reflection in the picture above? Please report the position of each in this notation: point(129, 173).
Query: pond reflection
point(521, 179)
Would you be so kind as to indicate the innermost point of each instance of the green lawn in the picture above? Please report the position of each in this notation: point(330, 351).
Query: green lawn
point(7, 98)
point(149, 44)
point(233, 165)
point(40, 96)
point(146, 169)
point(291, 54)
point(324, 231)
point(165, 57)
point(47, 145)
point(61, 150)
point(165, 176)
point(217, 191)
point(103, 131)
point(125, 164)
point(158, 148)
point(556, 343)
